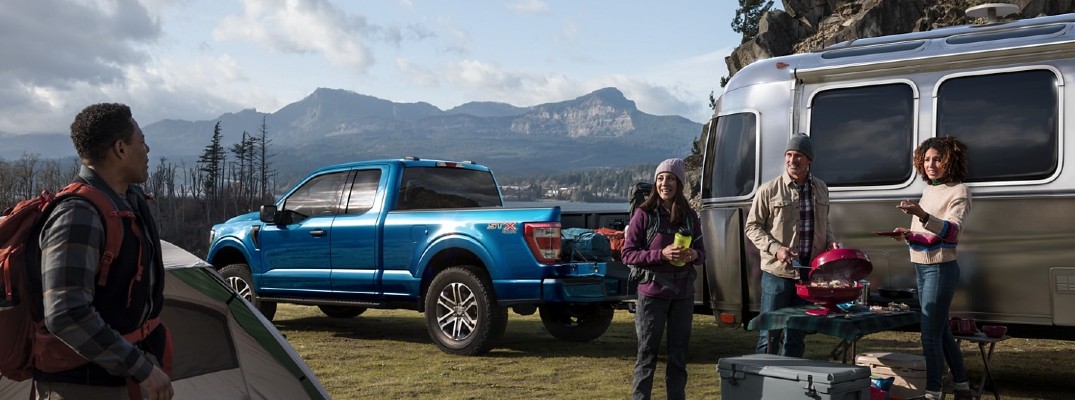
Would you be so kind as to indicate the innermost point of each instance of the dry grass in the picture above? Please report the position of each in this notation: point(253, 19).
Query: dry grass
point(387, 354)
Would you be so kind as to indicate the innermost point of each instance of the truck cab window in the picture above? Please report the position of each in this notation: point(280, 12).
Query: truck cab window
point(731, 159)
point(1009, 121)
point(446, 187)
point(863, 136)
point(319, 196)
point(363, 191)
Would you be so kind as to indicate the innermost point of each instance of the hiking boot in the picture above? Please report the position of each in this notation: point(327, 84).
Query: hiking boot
point(964, 394)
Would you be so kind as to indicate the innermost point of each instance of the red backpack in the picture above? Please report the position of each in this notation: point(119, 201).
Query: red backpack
point(26, 343)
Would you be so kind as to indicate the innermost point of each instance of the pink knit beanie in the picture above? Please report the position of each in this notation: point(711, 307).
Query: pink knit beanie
point(675, 166)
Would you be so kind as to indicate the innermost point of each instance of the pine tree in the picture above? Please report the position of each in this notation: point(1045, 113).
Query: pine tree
point(264, 170)
point(211, 165)
point(748, 17)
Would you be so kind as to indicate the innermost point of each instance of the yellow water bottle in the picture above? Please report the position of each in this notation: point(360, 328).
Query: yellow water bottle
point(683, 241)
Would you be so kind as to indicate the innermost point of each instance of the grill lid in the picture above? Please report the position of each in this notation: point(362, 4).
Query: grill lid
point(843, 264)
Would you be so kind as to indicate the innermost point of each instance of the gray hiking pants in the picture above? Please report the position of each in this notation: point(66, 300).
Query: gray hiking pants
point(652, 316)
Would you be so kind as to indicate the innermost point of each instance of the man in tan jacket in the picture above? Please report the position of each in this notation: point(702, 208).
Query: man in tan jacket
point(789, 223)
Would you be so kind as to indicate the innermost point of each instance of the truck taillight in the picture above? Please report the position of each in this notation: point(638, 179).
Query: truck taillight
point(543, 238)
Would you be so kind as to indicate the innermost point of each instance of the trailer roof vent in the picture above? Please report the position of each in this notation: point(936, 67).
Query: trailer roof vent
point(992, 11)
point(874, 49)
point(1025, 32)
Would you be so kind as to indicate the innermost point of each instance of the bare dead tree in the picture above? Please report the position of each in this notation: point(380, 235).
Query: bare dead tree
point(23, 172)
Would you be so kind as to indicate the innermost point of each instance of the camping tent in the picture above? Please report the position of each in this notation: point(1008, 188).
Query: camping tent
point(224, 348)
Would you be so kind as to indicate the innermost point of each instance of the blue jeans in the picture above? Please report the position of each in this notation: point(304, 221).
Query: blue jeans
point(936, 286)
point(777, 293)
point(652, 314)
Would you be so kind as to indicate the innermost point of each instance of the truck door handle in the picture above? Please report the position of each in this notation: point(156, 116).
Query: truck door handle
point(317, 233)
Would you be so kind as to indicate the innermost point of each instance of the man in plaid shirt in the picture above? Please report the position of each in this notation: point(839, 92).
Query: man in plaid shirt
point(90, 316)
point(789, 223)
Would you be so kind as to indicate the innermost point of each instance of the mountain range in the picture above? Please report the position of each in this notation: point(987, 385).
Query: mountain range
point(602, 129)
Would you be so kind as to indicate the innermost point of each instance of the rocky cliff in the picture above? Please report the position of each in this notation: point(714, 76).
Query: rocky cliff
point(810, 25)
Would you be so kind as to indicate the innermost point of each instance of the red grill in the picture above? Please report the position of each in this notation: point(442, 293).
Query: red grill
point(843, 265)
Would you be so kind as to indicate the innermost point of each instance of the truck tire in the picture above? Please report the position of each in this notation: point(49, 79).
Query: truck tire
point(237, 276)
point(576, 323)
point(342, 311)
point(462, 314)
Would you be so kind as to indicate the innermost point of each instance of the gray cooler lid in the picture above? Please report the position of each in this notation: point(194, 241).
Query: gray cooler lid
point(791, 368)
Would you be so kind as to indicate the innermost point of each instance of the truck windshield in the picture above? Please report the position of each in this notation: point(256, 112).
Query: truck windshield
point(444, 187)
point(731, 157)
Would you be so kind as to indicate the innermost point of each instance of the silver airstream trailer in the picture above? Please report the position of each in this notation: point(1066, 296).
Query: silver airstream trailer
point(1001, 88)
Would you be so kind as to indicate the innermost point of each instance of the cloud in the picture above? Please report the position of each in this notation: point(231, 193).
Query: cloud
point(569, 32)
point(50, 48)
point(197, 89)
point(683, 95)
point(417, 74)
point(477, 75)
point(461, 41)
point(160, 89)
point(529, 7)
point(55, 43)
point(305, 26)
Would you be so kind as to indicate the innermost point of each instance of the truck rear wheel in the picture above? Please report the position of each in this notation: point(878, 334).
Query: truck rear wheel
point(341, 311)
point(462, 314)
point(238, 278)
point(576, 323)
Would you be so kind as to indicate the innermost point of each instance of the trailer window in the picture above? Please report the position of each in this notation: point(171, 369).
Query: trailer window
point(863, 135)
point(730, 156)
point(1008, 121)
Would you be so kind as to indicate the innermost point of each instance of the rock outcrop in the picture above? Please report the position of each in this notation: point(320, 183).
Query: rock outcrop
point(811, 25)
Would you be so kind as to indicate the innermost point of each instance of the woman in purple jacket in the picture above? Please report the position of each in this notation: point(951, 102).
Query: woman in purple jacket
point(666, 292)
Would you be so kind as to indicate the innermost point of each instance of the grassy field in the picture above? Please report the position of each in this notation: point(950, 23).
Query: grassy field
point(385, 354)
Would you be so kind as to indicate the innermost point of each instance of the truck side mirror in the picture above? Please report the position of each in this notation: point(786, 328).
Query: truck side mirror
point(268, 214)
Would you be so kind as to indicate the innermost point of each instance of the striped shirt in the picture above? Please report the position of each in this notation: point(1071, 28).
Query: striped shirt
point(935, 241)
point(71, 241)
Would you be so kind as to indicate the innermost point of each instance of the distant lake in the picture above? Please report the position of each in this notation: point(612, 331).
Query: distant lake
point(568, 205)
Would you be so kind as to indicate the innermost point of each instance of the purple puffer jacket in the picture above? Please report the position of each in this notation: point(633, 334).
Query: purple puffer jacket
point(636, 252)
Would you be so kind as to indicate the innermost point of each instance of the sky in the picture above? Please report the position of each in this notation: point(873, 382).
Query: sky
point(197, 59)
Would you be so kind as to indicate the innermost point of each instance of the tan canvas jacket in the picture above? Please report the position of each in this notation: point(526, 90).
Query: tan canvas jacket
point(774, 216)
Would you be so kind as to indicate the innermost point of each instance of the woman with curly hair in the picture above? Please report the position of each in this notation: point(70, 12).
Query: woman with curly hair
point(932, 239)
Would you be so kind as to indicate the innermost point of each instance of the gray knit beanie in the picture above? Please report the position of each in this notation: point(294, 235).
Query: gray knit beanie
point(801, 143)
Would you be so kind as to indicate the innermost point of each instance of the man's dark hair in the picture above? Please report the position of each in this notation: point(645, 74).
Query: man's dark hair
point(97, 127)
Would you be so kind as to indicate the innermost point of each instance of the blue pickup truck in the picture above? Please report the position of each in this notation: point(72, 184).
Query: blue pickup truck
point(427, 235)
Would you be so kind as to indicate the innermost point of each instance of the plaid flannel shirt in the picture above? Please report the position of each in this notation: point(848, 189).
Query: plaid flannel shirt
point(71, 240)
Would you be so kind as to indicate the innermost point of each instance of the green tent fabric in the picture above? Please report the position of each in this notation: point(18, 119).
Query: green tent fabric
point(224, 348)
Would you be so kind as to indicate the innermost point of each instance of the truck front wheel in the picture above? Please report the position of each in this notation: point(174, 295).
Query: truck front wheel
point(576, 323)
point(237, 276)
point(462, 314)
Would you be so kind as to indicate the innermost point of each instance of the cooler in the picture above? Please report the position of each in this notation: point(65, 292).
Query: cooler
point(766, 376)
point(909, 371)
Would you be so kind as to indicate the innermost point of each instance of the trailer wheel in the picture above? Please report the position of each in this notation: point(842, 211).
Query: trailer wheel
point(335, 311)
point(462, 314)
point(238, 278)
point(576, 323)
